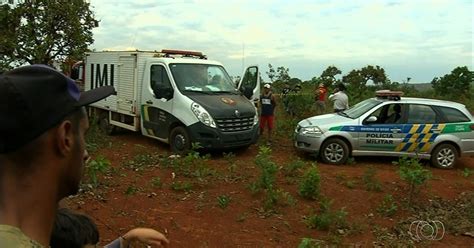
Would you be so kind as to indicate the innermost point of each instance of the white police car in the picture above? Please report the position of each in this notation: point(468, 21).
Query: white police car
point(391, 125)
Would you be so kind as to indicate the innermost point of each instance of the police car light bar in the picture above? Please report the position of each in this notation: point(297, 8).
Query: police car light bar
point(388, 94)
point(169, 52)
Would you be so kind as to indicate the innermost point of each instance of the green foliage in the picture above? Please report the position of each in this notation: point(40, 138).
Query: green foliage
point(266, 182)
point(271, 73)
point(388, 207)
point(131, 190)
point(96, 166)
point(328, 76)
point(371, 182)
point(156, 182)
point(42, 31)
point(181, 186)
point(467, 172)
point(327, 219)
point(309, 187)
point(300, 105)
point(193, 165)
point(411, 171)
point(268, 168)
point(291, 169)
point(357, 82)
point(140, 161)
point(309, 243)
point(231, 161)
point(95, 139)
point(223, 201)
point(455, 85)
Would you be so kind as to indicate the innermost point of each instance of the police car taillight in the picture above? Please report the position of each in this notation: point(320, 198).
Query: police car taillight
point(472, 127)
point(388, 94)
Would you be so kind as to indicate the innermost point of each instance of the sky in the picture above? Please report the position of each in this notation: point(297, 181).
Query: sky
point(418, 39)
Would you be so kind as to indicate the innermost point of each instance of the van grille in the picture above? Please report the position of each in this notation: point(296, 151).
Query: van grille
point(234, 124)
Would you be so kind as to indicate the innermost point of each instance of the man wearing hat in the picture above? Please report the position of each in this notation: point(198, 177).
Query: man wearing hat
point(340, 99)
point(42, 150)
point(320, 97)
point(268, 104)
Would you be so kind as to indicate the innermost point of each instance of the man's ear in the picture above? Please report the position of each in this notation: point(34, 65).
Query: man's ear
point(64, 138)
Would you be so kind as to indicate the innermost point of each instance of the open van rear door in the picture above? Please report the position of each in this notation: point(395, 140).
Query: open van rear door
point(249, 83)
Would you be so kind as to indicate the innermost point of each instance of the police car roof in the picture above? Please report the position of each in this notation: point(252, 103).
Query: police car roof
point(424, 101)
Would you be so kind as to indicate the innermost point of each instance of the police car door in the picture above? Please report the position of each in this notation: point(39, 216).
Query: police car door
point(382, 131)
point(249, 84)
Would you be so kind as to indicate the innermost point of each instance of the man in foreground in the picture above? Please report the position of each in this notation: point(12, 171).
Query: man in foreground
point(42, 150)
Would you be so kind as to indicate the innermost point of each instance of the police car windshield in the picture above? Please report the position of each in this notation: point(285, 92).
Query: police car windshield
point(202, 77)
point(361, 108)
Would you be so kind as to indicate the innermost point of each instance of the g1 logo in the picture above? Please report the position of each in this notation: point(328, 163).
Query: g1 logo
point(426, 230)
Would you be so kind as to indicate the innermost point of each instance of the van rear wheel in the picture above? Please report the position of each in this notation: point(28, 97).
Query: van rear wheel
point(179, 140)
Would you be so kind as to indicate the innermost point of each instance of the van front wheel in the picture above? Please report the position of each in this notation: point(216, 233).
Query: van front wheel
point(179, 140)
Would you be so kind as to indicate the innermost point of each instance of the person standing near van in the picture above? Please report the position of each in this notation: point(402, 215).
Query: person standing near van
point(320, 97)
point(340, 99)
point(268, 104)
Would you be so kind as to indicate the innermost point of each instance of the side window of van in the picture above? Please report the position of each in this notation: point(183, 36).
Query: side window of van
point(160, 82)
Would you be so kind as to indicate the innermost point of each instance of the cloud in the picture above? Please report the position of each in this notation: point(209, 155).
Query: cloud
point(297, 33)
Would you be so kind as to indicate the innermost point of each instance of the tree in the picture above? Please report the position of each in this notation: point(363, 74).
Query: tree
point(271, 73)
point(457, 83)
point(328, 76)
point(283, 74)
point(358, 79)
point(43, 31)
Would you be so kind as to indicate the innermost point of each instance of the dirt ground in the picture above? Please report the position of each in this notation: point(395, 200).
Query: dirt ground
point(141, 195)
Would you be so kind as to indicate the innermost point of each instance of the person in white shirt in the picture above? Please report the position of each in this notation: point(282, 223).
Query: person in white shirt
point(340, 99)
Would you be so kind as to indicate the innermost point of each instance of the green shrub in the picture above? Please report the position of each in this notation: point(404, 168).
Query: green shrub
point(309, 187)
point(181, 186)
point(326, 219)
point(223, 201)
point(414, 174)
point(156, 182)
point(96, 166)
point(293, 166)
point(388, 207)
point(371, 182)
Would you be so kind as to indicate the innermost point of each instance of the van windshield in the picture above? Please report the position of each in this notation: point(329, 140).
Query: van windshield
point(202, 78)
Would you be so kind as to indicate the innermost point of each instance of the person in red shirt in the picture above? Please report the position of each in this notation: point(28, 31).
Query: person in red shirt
point(320, 97)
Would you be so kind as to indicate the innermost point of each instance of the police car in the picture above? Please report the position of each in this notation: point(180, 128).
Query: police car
point(391, 125)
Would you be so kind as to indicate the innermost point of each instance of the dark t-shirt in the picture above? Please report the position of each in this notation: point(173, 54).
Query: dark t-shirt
point(268, 106)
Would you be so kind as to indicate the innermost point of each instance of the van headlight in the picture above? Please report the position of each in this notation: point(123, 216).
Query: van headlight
point(202, 115)
point(255, 117)
point(310, 131)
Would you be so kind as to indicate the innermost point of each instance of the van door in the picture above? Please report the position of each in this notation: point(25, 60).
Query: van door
point(249, 84)
point(157, 101)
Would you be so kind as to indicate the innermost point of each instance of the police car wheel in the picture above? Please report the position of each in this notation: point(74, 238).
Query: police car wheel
point(334, 151)
point(179, 140)
point(444, 156)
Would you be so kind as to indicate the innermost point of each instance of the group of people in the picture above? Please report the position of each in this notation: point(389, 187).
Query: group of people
point(268, 103)
point(42, 158)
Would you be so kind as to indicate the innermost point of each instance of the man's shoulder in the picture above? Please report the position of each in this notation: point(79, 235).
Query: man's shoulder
point(11, 236)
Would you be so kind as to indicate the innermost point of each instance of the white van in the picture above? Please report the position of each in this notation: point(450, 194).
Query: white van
point(178, 97)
